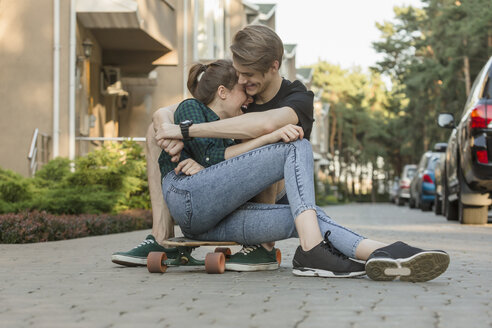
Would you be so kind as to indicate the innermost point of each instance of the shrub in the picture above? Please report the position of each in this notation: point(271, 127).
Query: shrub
point(55, 170)
point(110, 179)
point(32, 227)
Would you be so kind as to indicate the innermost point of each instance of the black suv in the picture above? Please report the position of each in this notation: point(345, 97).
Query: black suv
point(467, 176)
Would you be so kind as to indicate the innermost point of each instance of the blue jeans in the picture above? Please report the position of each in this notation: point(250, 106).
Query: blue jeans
point(213, 204)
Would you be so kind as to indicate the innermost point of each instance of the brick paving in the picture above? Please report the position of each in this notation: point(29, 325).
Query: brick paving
point(74, 284)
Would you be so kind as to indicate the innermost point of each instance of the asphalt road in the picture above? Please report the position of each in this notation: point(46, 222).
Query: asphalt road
point(74, 284)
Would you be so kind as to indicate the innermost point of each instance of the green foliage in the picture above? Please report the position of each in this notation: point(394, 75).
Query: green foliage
point(55, 170)
point(108, 180)
point(425, 51)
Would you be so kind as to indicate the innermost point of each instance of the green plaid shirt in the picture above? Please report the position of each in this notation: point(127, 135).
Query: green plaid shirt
point(205, 151)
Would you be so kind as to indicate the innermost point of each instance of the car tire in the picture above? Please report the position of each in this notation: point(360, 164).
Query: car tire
point(438, 206)
point(411, 202)
point(425, 207)
point(450, 208)
point(400, 201)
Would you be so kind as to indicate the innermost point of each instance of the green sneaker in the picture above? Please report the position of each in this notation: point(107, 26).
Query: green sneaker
point(138, 255)
point(253, 258)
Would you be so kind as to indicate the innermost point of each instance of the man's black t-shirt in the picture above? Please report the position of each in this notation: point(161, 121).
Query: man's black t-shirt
point(293, 95)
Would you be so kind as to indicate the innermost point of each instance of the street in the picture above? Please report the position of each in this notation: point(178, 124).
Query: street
point(74, 284)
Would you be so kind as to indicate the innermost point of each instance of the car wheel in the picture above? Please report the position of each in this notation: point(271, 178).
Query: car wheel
point(425, 207)
point(450, 208)
point(401, 201)
point(438, 206)
point(411, 202)
point(443, 203)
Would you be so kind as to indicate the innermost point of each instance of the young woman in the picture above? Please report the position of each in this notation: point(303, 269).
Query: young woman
point(208, 191)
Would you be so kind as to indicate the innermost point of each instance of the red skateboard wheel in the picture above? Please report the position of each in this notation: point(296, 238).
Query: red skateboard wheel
point(215, 263)
point(155, 262)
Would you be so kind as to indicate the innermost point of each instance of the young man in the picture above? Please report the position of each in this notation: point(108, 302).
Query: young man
point(257, 55)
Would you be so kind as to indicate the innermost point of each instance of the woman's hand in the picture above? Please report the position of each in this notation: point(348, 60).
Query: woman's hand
point(288, 133)
point(188, 167)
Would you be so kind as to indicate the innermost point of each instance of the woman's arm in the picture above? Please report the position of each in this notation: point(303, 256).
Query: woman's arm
point(287, 133)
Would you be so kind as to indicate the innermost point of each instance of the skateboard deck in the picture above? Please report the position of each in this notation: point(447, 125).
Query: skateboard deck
point(183, 241)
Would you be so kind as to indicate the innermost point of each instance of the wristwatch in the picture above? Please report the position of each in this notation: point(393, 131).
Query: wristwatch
point(185, 129)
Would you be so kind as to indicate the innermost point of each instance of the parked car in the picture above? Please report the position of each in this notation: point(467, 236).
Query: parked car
point(468, 170)
point(438, 181)
point(393, 190)
point(422, 187)
point(404, 186)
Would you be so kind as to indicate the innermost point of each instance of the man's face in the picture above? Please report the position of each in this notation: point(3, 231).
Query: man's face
point(254, 82)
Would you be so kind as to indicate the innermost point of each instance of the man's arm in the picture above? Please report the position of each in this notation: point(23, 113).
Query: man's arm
point(247, 126)
point(160, 118)
point(164, 115)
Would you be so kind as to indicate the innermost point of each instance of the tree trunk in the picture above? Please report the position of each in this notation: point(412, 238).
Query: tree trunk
point(333, 131)
point(374, 189)
point(466, 70)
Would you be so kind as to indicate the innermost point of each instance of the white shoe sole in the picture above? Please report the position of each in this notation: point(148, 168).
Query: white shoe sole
point(128, 260)
point(309, 272)
point(423, 266)
point(251, 267)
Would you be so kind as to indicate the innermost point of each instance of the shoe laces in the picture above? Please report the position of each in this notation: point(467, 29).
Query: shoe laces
point(332, 249)
point(145, 242)
point(248, 249)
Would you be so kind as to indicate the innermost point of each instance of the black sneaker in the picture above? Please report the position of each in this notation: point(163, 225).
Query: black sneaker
point(138, 255)
point(408, 263)
point(325, 260)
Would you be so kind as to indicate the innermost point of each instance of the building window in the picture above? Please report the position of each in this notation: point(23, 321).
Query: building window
point(209, 29)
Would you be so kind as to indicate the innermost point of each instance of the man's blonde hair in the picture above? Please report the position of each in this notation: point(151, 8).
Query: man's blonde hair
point(257, 46)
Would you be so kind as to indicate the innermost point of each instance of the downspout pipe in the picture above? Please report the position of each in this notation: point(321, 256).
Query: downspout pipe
point(185, 46)
point(56, 78)
point(71, 102)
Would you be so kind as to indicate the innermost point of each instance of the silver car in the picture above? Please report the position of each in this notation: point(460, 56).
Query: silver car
point(404, 187)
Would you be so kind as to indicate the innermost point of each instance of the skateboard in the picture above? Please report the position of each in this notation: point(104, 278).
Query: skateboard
point(157, 262)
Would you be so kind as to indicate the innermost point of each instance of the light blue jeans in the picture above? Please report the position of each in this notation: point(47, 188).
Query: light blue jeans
point(213, 204)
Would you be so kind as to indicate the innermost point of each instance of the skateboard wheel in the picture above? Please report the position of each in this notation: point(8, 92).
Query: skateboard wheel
point(154, 262)
point(215, 263)
point(225, 250)
point(279, 256)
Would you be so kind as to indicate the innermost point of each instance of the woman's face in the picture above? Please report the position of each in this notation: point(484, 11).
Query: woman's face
point(235, 99)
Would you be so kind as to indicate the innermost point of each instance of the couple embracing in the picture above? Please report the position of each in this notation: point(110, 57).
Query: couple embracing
point(235, 164)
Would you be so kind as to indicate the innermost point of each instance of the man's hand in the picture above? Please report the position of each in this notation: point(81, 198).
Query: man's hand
point(188, 167)
point(288, 133)
point(171, 146)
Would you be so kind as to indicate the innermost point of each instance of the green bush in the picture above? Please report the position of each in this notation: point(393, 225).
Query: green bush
point(108, 180)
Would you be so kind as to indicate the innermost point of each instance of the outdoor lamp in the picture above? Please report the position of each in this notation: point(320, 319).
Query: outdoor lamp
point(87, 45)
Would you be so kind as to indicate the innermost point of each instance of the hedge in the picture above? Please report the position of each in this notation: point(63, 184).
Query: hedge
point(33, 227)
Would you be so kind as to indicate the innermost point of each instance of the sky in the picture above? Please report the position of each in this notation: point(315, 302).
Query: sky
point(338, 31)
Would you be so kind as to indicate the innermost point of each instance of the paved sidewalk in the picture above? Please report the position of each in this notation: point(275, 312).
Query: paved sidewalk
point(74, 284)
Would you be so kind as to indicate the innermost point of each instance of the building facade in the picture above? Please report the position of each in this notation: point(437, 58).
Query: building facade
point(79, 70)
